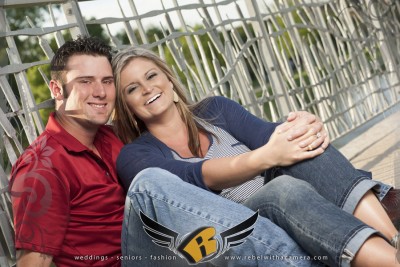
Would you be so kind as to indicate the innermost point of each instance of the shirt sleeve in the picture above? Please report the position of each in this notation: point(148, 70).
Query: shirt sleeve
point(240, 123)
point(136, 157)
point(40, 204)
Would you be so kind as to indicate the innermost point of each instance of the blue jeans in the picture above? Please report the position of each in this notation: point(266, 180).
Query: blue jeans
point(293, 204)
point(329, 182)
point(334, 178)
point(184, 208)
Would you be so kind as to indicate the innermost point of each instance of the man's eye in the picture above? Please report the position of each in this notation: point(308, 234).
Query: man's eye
point(108, 81)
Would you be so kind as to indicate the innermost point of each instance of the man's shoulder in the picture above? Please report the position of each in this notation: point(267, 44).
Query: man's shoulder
point(39, 153)
point(42, 145)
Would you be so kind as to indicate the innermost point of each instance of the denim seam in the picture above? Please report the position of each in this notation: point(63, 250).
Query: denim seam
point(340, 249)
point(343, 199)
point(343, 245)
point(126, 232)
point(295, 222)
point(343, 250)
point(172, 203)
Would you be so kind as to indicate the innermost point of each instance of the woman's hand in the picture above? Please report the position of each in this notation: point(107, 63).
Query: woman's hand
point(283, 150)
point(300, 124)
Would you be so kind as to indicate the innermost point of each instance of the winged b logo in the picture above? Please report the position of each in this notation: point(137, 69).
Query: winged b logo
point(202, 244)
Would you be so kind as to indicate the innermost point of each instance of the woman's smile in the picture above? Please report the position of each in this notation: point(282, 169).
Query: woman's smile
point(153, 99)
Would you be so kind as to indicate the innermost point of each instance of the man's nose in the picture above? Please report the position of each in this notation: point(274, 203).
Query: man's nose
point(99, 90)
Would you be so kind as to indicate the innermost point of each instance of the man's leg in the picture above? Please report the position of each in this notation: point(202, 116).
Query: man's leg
point(183, 208)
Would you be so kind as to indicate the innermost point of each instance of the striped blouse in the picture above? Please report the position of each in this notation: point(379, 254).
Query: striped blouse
point(225, 145)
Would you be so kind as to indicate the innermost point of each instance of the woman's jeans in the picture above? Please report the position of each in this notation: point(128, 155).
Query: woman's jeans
point(308, 211)
point(321, 228)
point(334, 178)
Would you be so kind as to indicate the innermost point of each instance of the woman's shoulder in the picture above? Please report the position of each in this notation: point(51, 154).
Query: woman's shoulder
point(144, 143)
point(215, 100)
point(212, 105)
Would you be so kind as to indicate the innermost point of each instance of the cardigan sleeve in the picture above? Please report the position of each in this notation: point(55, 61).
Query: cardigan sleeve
point(138, 156)
point(240, 123)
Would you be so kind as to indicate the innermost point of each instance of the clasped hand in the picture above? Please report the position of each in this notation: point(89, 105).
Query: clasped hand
point(301, 137)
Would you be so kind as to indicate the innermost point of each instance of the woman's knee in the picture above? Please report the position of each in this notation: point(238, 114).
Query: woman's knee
point(151, 179)
point(286, 183)
point(282, 189)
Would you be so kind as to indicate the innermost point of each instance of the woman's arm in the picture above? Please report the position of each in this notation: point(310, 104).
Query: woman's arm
point(148, 153)
point(255, 132)
point(231, 171)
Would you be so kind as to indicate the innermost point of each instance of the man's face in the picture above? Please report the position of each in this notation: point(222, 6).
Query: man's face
point(89, 89)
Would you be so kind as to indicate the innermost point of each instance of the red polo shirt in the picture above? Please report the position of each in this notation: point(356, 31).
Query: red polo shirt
point(67, 201)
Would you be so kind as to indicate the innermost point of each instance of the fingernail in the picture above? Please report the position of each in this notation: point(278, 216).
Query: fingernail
point(290, 137)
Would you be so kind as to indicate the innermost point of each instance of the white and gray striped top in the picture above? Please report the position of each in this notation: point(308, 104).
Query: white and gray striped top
point(225, 145)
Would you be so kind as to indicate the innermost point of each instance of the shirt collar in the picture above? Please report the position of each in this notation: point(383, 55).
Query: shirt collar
point(62, 136)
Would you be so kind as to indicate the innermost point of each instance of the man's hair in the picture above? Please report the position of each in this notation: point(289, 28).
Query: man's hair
point(83, 45)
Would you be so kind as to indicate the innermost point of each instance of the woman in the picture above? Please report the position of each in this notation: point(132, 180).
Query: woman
point(205, 144)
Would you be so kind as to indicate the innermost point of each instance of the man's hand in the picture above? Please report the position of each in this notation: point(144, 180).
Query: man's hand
point(302, 124)
point(26, 258)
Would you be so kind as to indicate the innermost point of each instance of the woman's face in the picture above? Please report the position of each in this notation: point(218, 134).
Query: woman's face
point(147, 90)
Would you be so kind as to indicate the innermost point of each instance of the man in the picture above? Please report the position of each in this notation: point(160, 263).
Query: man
point(67, 201)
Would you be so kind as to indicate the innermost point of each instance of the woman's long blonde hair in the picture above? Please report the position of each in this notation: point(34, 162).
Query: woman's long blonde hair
point(127, 126)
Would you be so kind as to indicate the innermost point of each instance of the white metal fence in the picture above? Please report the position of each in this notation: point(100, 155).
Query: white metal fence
point(338, 59)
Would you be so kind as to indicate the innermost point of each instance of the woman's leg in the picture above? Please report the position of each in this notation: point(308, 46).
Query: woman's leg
point(319, 226)
point(370, 211)
point(335, 178)
point(183, 208)
point(379, 248)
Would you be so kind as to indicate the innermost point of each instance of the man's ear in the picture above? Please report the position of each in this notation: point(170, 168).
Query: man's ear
point(56, 89)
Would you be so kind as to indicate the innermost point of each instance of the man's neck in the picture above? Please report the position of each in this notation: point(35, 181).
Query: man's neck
point(83, 133)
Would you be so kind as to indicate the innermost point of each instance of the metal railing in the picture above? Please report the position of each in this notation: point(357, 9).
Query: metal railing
point(335, 58)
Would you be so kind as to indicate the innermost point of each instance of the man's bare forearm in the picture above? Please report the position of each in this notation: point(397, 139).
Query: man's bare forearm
point(27, 258)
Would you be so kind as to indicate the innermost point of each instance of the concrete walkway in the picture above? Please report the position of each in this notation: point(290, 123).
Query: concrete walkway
point(376, 147)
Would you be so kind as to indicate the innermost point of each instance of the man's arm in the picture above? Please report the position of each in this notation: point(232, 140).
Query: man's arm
point(27, 258)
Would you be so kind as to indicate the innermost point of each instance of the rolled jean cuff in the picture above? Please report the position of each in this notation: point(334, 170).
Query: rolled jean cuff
point(381, 189)
point(354, 245)
point(358, 192)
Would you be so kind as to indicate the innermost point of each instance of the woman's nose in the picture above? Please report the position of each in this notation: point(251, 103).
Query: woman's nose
point(147, 88)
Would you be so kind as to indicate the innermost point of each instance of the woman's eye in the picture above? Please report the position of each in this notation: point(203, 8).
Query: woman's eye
point(152, 75)
point(131, 89)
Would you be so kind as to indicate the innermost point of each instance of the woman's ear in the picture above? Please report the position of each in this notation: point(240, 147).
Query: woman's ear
point(56, 90)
